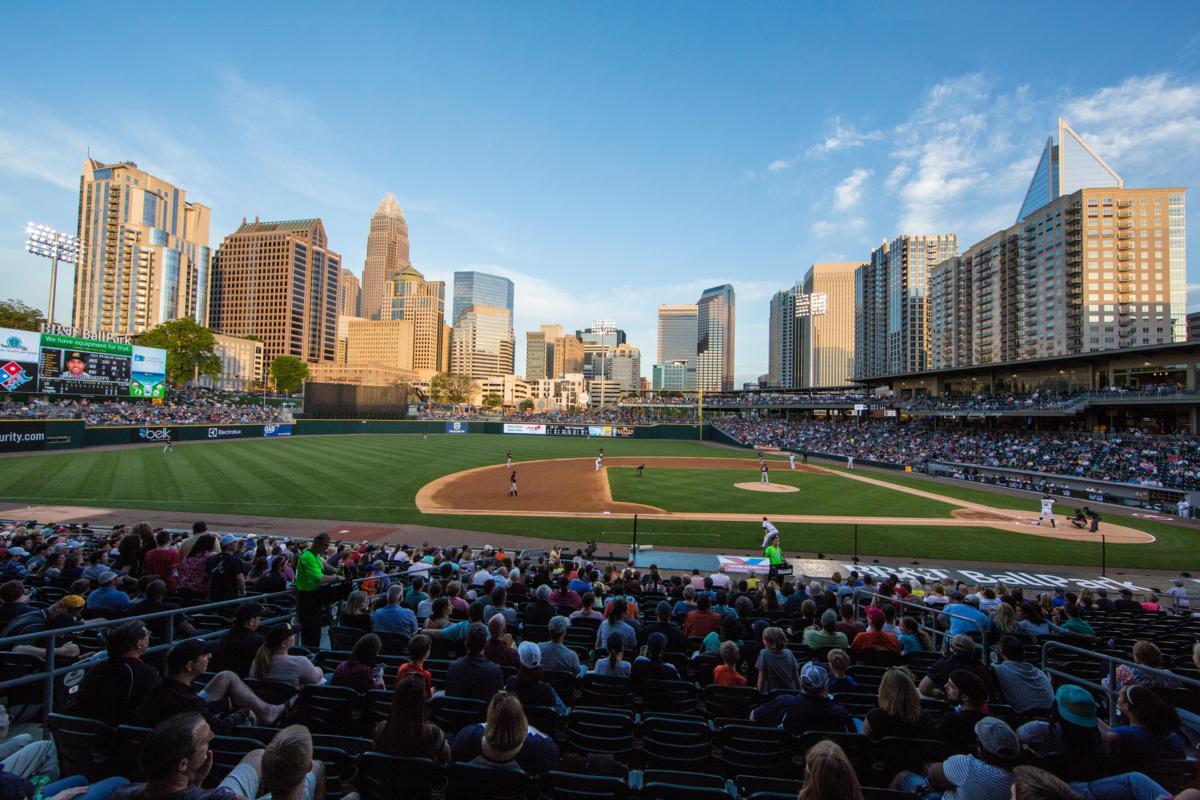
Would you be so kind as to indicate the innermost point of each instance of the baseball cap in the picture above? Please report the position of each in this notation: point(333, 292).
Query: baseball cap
point(959, 596)
point(228, 539)
point(1076, 705)
point(106, 576)
point(813, 677)
point(530, 655)
point(247, 612)
point(72, 601)
point(18, 551)
point(187, 651)
point(875, 616)
point(963, 644)
point(996, 737)
point(279, 634)
point(828, 617)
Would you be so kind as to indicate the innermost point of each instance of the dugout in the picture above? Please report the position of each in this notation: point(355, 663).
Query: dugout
point(354, 401)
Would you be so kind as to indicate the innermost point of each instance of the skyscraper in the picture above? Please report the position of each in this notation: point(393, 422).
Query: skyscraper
point(892, 309)
point(482, 344)
point(537, 352)
point(825, 316)
point(715, 339)
point(143, 251)
point(622, 364)
point(1065, 168)
point(350, 295)
point(480, 289)
point(781, 339)
point(387, 254)
point(409, 296)
point(677, 343)
point(602, 335)
point(279, 282)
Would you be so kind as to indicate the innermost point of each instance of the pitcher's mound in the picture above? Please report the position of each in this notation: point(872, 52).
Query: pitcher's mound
point(759, 486)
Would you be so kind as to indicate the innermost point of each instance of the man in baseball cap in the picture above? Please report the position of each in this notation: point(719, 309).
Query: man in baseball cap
point(107, 597)
point(987, 773)
point(811, 710)
point(226, 571)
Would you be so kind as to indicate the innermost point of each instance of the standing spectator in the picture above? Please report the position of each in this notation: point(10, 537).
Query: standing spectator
point(193, 570)
point(163, 561)
point(310, 577)
point(226, 571)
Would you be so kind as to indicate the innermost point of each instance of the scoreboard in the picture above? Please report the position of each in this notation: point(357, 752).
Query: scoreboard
point(55, 364)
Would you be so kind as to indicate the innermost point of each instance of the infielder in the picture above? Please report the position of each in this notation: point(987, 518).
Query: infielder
point(1047, 511)
point(512, 484)
point(508, 460)
point(792, 461)
point(763, 469)
point(849, 462)
point(601, 454)
point(769, 532)
point(599, 462)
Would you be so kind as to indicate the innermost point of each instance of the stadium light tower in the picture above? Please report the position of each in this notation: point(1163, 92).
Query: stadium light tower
point(44, 241)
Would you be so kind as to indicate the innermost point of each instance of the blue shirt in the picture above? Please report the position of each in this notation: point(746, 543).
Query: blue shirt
point(394, 619)
point(108, 598)
point(958, 626)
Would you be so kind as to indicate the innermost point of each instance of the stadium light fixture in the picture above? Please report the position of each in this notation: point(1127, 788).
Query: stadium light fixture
point(44, 241)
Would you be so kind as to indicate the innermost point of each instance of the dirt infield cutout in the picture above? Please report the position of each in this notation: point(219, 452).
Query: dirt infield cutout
point(573, 487)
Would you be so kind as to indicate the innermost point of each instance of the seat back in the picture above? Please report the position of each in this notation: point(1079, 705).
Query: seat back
point(333, 709)
point(575, 786)
point(601, 730)
point(674, 697)
point(344, 637)
point(729, 701)
point(128, 756)
point(469, 782)
point(85, 746)
point(380, 775)
point(227, 751)
point(605, 690)
point(452, 714)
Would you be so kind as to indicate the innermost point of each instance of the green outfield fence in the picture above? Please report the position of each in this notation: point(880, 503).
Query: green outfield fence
point(35, 435)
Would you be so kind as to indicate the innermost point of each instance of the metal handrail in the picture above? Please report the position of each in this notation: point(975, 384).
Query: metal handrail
point(1109, 687)
point(933, 630)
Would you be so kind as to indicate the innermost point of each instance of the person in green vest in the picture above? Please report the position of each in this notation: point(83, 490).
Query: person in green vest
point(310, 576)
point(774, 554)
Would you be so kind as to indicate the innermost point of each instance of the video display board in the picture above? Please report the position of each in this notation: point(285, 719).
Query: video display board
point(51, 363)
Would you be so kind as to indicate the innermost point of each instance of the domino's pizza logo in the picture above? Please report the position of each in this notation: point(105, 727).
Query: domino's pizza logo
point(14, 375)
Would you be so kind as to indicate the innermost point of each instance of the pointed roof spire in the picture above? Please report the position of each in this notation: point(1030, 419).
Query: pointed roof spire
point(390, 206)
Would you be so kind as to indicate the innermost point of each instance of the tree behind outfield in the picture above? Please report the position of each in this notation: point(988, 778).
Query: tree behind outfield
point(447, 388)
point(492, 400)
point(289, 373)
point(190, 347)
point(15, 314)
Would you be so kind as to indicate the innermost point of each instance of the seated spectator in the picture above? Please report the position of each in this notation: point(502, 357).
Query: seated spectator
point(556, 656)
point(676, 641)
point(838, 662)
point(776, 665)
point(107, 598)
point(563, 596)
point(1126, 602)
point(354, 612)
point(827, 635)
point(616, 623)
point(474, 674)
point(811, 710)
point(499, 647)
point(112, 689)
point(613, 664)
point(828, 774)
point(1024, 686)
point(899, 712)
point(963, 655)
point(224, 702)
point(439, 614)
point(273, 579)
point(703, 620)
point(1148, 656)
point(985, 776)
point(499, 605)
point(1152, 730)
point(506, 741)
point(176, 761)
point(540, 611)
point(1031, 783)
point(875, 637)
point(967, 618)
point(848, 625)
point(416, 593)
point(967, 696)
point(362, 671)
point(1031, 620)
point(1072, 730)
point(684, 606)
point(726, 673)
point(1071, 621)
point(273, 663)
point(587, 609)
point(1004, 620)
point(528, 684)
point(729, 631)
point(407, 732)
point(236, 650)
point(418, 650)
point(1151, 603)
point(286, 770)
point(162, 561)
point(651, 666)
point(394, 617)
point(63, 614)
point(152, 602)
point(16, 601)
point(226, 571)
point(912, 639)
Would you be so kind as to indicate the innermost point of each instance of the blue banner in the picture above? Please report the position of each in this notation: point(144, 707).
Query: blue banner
point(457, 427)
point(277, 430)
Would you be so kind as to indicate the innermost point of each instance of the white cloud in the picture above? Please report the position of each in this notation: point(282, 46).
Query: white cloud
point(825, 228)
point(849, 192)
point(841, 136)
point(779, 165)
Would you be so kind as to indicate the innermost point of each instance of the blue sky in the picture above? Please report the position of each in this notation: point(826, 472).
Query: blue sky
point(606, 156)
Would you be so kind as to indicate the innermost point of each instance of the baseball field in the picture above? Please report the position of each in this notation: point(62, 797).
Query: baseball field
point(690, 494)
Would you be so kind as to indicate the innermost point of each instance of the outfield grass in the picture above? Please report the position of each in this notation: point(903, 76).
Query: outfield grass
point(374, 478)
point(713, 491)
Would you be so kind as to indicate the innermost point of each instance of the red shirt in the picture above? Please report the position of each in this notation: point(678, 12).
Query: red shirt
point(163, 562)
point(876, 640)
point(409, 667)
point(701, 623)
point(728, 676)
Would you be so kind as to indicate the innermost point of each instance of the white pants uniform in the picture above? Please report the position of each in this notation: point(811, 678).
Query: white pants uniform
point(850, 462)
point(1047, 512)
point(598, 465)
point(792, 460)
point(765, 479)
point(769, 533)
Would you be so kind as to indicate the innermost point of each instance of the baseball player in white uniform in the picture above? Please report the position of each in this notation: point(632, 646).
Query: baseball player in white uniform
point(769, 532)
point(792, 461)
point(849, 462)
point(1047, 511)
point(508, 460)
point(599, 461)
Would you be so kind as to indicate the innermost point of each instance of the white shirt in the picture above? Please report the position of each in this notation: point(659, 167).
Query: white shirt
point(1047, 505)
point(720, 580)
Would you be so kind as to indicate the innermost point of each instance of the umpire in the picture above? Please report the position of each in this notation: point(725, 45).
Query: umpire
point(310, 578)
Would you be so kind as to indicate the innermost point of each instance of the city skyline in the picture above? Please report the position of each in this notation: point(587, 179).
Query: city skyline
point(795, 172)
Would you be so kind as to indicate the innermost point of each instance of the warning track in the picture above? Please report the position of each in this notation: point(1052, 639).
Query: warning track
point(574, 488)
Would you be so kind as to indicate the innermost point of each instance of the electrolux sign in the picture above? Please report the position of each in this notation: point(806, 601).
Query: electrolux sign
point(222, 433)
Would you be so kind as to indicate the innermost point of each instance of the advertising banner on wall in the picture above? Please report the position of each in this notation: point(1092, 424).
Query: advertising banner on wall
point(455, 426)
point(624, 431)
point(519, 427)
point(758, 565)
point(600, 430)
point(153, 433)
point(277, 430)
point(16, 436)
point(567, 430)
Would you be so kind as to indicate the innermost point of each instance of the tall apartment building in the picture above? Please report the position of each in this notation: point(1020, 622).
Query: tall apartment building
point(782, 334)
point(143, 251)
point(482, 344)
point(481, 289)
point(382, 342)
point(715, 314)
point(891, 304)
point(1085, 268)
point(676, 343)
point(387, 255)
point(622, 364)
point(279, 282)
point(825, 322)
point(602, 335)
point(350, 295)
point(566, 356)
point(409, 296)
point(537, 353)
